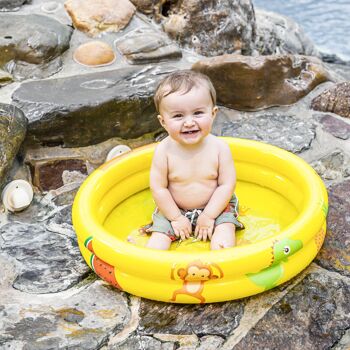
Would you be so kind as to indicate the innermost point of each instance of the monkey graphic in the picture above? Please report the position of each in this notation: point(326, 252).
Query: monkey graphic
point(194, 276)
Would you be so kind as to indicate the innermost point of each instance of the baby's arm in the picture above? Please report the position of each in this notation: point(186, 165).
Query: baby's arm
point(162, 196)
point(221, 196)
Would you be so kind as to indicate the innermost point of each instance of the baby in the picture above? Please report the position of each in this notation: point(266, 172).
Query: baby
point(192, 175)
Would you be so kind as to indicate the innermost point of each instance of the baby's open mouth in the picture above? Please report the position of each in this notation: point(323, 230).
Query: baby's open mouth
point(190, 132)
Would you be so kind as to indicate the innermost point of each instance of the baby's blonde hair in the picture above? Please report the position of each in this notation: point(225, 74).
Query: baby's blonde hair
point(182, 80)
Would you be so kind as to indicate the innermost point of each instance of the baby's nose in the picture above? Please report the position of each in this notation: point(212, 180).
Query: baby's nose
point(189, 120)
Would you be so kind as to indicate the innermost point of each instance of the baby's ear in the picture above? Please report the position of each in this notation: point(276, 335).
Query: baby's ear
point(161, 120)
point(214, 111)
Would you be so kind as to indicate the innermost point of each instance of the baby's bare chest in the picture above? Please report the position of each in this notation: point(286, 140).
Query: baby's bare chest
point(196, 168)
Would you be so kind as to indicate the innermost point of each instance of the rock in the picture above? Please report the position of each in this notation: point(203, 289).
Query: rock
point(94, 54)
point(285, 131)
point(335, 100)
point(11, 5)
point(5, 78)
point(87, 109)
point(13, 127)
point(334, 166)
point(313, 315)
point(335, 253)
point(145, 6)
point(209, 27)
point(252, 83)
point(137, 342)
point(49, 262)
point(32, 42)
point(50, 174)
point(80, 320)
point(278, 34)
point(217, 318)
point(97, 16)
point(335, 126)
point(145, 45)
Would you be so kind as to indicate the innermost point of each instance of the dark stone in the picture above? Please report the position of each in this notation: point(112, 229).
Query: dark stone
point(335, 126)
point(12, 5)
point(288, 132)
point(47, 175)
point(335, 100)
point(335, 253)
point(13, 126)
point(31, 40)
point(218, 318)
point(251, 83)
point(49, 261)
point(87, 109)
point(313, 315)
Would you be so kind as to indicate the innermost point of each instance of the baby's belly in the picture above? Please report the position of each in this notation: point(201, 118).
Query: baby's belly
point(193, 196)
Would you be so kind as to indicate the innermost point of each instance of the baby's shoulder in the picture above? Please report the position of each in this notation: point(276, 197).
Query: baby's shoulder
point(219, 144)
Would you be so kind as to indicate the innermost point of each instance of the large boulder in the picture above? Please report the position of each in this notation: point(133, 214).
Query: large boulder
point(335, 100)
point(96, 16)
point(13, 125)
point(253, 83)
point(28, 44)
point(210, 27)
point(278, 34)
point(88, 109)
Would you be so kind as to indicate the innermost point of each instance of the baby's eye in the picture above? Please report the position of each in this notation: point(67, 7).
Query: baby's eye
point(177, 116)
point(198, 113)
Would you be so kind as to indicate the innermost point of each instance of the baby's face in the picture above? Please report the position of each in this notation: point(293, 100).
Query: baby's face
point(188, 117)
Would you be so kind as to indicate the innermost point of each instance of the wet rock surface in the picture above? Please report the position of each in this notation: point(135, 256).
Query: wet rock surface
point(99, 105)
point(49, 297)
point(252, 83)
point(13, 127)
point(29, 41)
point(335, 100)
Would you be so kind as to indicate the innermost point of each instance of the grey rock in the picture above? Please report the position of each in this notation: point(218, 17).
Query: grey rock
point(278, 34)
point(335, 253)
point(145, 45)
point(137, 342)
point(210, 342)
point(333, 166)
point(285, 131)
point(48, 261)
point(313, 315)
point(218, 318)
point(13, 127)
point(210, 28)
point(32, 40)
point(12, 5)
point(87, 109)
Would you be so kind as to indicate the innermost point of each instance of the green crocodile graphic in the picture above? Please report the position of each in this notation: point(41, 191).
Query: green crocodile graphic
point(281, 250)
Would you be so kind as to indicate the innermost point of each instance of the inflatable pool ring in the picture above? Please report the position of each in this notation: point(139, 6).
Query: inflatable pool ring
point(279, 193)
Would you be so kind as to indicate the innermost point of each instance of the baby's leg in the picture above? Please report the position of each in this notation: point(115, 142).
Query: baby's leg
point(159, 241)
point(223, 237)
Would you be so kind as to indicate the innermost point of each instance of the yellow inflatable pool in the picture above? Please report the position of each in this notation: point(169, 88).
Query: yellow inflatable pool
point(283, 204)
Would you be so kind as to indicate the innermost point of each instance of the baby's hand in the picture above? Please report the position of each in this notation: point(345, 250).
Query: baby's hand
point(204, 227)
point(182, 227)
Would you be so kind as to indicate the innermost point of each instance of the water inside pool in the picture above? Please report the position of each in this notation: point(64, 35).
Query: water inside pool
point(263, 212)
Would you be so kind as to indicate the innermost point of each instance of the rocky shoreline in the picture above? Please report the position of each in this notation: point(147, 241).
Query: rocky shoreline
point(74, 108)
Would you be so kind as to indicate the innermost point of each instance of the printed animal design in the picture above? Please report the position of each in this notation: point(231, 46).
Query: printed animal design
point(100, 267)
point(281, 250)
point(194, 276)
